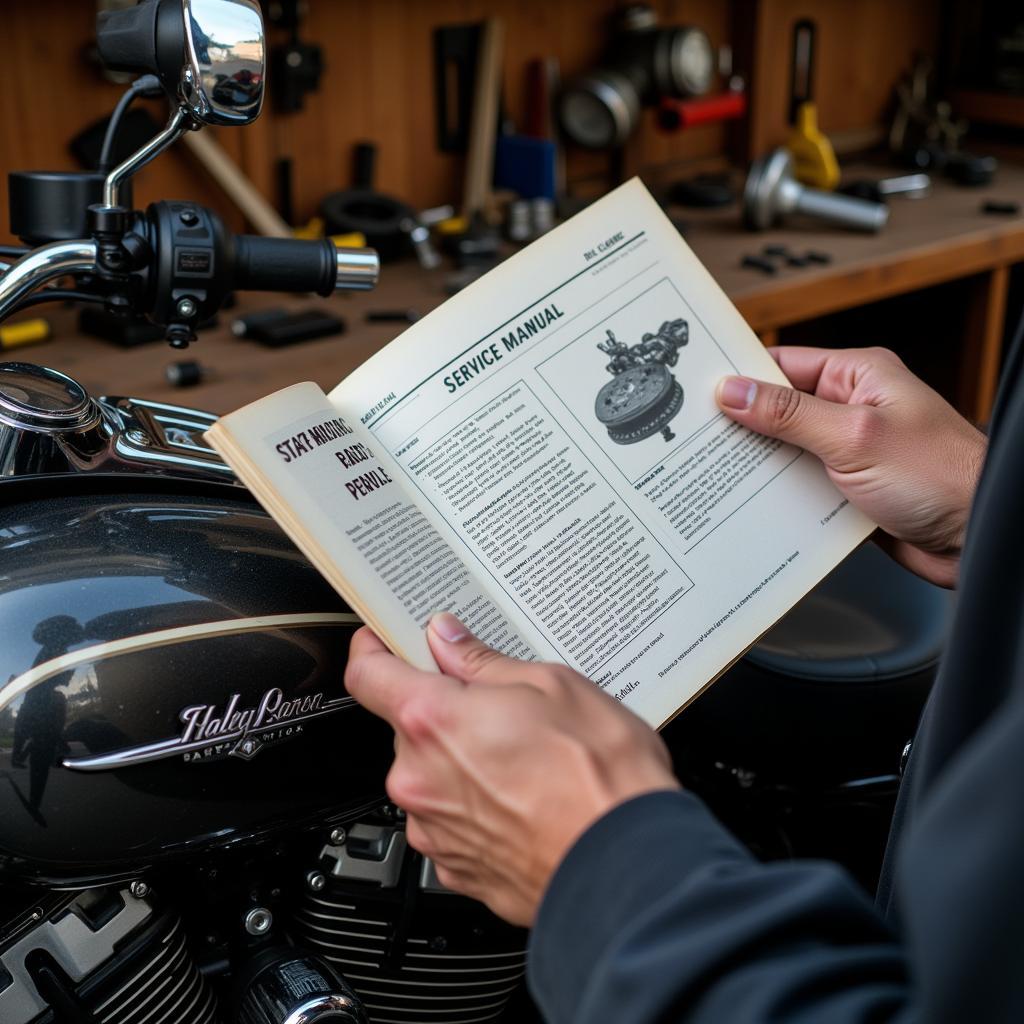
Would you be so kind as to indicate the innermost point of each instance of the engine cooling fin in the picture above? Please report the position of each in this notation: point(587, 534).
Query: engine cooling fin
point(448, 964)
point(158, 984)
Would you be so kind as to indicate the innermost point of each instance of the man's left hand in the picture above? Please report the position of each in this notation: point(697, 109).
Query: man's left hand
point(501, 765)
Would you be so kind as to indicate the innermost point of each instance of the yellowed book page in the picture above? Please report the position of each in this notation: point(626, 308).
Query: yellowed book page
point(320, 477)
point(556, 422)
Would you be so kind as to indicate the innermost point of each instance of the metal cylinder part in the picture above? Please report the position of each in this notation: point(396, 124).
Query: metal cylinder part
point(600, 109)
point(358, 269)
point(838, 209)
point(285, 987)
point(771, 193)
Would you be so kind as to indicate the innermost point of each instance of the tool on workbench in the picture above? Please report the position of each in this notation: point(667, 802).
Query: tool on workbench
point(762, 263)
point(295, 67)
point(814, 159)
point(642, 62)
point(913, 186)
point(25, 332)
point(924, 133)
point(785, 254)
point(1002, 206)
point(676, 114)
point(772, 193)
point(476, 194)
point(388, 224)
point(185, 373)
point(543, 85)
point(277, 328)
point(388, 316)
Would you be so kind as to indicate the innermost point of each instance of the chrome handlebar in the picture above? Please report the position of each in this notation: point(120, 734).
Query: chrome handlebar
point(44, 264)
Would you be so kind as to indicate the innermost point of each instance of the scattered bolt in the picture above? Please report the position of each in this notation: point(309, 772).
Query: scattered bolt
point(140, 890)
point(776, 250)
point(315, 881)
point(817, 257)
point(258, 921)
point(758, 263)
point(337, 836)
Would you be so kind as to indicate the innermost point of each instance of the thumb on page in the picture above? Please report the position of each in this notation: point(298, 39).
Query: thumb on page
point(383, 683)
point(458, 653)
point(793, 416)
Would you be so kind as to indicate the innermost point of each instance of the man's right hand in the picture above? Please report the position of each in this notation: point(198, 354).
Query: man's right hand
point(890, 443)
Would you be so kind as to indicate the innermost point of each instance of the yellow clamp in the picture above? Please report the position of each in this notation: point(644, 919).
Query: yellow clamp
point(814, 159)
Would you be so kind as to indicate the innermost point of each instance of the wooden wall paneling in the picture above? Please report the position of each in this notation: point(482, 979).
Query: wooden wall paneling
point(862, 47)
point(378, 85)
point(983, 344)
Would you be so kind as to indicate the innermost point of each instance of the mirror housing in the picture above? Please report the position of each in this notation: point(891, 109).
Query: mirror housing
point(210, 55)
point(225, 61)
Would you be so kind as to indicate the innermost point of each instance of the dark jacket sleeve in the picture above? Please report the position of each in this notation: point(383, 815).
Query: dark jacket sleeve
point(658, 914)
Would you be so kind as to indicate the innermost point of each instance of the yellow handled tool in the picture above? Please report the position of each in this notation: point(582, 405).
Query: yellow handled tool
point(814, 159)
point(27, 332)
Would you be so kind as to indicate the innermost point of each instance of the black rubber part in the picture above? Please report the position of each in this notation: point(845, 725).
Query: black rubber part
point(377, 216)
point(53, 206)
point(284, 264)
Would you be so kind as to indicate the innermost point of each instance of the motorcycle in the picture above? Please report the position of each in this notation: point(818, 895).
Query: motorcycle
point(193, 826)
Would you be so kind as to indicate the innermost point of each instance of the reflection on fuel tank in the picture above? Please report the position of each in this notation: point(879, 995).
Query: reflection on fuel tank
point(39, 727)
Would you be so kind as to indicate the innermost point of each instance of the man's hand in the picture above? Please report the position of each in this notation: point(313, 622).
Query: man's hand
point(500, 765)
point(893, 446)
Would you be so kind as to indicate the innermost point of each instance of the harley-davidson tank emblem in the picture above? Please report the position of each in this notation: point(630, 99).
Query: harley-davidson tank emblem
point(210, 732)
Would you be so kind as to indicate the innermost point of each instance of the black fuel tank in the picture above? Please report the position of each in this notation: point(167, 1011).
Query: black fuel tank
point(170, 680)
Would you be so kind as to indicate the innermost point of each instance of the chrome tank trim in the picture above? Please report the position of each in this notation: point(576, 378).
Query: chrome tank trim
point(160, 638)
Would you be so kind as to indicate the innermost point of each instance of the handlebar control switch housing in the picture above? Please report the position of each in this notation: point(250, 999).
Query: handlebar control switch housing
point(189, 276)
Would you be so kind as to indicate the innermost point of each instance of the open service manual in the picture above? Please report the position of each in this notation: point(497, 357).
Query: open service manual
point(543, 456)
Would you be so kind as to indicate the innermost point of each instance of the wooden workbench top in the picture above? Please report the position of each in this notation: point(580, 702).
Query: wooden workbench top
point(938, 237)
point(927, 241)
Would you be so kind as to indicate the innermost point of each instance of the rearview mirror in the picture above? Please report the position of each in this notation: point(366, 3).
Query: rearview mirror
point(225, 61)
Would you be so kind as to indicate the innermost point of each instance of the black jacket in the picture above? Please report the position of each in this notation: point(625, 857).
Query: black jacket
point(658, 914)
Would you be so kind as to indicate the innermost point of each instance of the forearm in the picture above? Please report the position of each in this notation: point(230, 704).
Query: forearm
point(658, 914)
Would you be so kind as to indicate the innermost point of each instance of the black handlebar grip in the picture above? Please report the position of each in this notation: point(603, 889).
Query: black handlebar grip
point(284, 264)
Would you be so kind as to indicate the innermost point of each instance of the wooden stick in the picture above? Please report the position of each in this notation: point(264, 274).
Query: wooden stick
point(240, 190)
point(484, 124)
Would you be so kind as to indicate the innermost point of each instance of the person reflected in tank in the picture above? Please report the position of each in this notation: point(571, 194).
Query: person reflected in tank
point(39, 727)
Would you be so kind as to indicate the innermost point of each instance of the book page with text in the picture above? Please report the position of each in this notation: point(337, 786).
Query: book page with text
point(557, 421)
point(323, 479)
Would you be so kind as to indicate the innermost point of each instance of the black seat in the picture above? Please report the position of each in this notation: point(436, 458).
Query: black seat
point(834, 690)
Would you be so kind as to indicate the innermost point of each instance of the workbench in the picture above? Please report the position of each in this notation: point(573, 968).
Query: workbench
point(929, 241)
